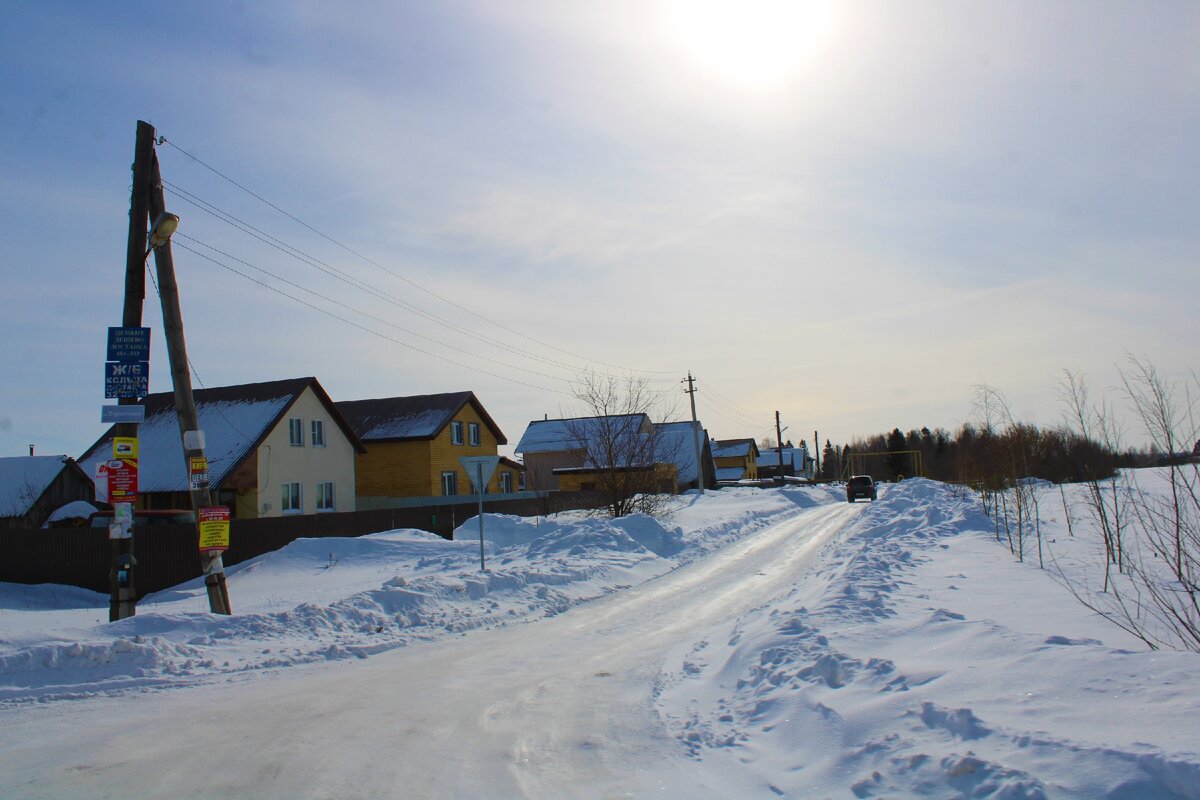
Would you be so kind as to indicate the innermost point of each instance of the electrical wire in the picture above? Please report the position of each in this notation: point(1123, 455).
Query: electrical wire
point(414, 284)
point(347, 307)
point(345, 277)
point(365, 329)
point(735, 407)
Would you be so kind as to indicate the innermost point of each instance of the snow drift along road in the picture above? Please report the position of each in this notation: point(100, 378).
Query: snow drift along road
point(771, 644)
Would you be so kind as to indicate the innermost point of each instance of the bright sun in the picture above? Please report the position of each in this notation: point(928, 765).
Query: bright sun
point(757, 44)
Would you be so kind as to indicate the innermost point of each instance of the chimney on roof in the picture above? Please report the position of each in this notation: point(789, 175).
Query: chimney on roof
point(30, 449)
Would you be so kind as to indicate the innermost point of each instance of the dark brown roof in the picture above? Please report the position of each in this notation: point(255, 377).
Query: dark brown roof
point(399, 419)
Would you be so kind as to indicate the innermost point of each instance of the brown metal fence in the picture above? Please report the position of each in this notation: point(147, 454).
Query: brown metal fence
point(167, 554)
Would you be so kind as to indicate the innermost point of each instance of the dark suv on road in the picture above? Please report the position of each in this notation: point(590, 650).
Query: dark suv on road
point(860, 486)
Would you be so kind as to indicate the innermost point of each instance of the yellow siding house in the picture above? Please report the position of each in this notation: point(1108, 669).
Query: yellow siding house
point(413, 445)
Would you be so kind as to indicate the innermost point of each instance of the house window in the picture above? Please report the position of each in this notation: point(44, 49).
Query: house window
point(456, 432)
point(296, 432)
point(506, 483)
point(450, 483)
point(290, 503)
point(473, 433)
point(325, 496)
point(318, 433)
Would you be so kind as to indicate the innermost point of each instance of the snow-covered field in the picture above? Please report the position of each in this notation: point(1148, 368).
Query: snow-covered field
point(757, 643)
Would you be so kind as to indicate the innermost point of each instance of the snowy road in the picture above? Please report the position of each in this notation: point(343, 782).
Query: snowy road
point(560, 708)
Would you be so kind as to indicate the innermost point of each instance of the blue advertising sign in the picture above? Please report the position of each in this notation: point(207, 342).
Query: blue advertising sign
point(126, 380)
point(128, 345)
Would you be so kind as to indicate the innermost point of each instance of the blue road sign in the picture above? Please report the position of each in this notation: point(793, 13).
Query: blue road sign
point(128, 345)
point(126, 380)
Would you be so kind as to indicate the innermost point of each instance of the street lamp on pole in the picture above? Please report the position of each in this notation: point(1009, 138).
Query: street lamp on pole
point(164, 226)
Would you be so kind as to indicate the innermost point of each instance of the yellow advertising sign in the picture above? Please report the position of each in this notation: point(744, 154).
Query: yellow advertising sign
point(125, 448)
point(198, 472)
point(214, 529)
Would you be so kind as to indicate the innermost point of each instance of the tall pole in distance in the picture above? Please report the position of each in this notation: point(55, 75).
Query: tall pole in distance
point(185, 405)
point(816, 456)
point(691, 390)
point(779, 441)
point(123, 594)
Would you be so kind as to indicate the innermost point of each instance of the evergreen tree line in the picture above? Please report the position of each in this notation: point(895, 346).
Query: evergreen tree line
point(971, 455)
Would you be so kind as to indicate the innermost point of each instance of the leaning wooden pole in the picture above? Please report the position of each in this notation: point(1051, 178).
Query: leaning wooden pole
point(185, 406)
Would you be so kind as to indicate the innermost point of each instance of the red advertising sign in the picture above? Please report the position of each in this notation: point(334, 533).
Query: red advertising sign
point(121, 478)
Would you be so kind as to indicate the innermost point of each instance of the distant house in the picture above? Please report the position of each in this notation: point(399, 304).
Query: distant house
point(273, 448)
point(413, 446)
point(557, 444)
point(796, 463)
point(736, 459)
point(34, 487)
point(661, 477)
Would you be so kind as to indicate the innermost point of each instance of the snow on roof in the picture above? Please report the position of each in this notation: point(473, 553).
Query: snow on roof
point(677, 445)
point(76, 509)
point(730, 473)
point(23, 479)
point(416, 417)
point(729, 448)
point(791, 455)
point(557, 435)
point(234, 420)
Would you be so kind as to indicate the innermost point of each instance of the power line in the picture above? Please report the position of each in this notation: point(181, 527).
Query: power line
point(345, 277)
point(415, 285)
point(734, 406)
point(722, 409)
point(347, 307)
point(332, 315)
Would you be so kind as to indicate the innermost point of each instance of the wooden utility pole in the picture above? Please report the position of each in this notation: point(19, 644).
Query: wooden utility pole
point(779, 443)
point(691, 391)
point(123, 590)
point(816, 456)
point(185, 405)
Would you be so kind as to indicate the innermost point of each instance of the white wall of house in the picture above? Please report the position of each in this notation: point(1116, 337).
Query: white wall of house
point(307, 466)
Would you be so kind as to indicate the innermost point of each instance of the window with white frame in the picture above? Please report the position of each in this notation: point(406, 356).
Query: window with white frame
point(290, 502)
point(506, 485)
point(325, 496)
point(449, 483)
point(296, 432)
point(473, 434)
point(318, 433)
point(456, 433)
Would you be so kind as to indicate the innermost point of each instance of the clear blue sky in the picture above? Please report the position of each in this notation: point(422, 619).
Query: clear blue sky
point(850, 212)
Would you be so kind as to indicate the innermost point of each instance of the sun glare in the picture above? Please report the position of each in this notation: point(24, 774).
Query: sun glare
point(756, 44)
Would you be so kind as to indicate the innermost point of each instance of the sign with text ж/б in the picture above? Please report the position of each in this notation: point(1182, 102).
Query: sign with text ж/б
point(128, 345)
point(126, 380)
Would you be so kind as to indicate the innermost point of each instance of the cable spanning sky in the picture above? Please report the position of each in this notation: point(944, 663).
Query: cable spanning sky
point(850, 212)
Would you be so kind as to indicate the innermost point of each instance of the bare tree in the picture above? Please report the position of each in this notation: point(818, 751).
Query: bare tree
point(626, 458)
point(1107, 495)
point(1155, 594)
point(1007, 479)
